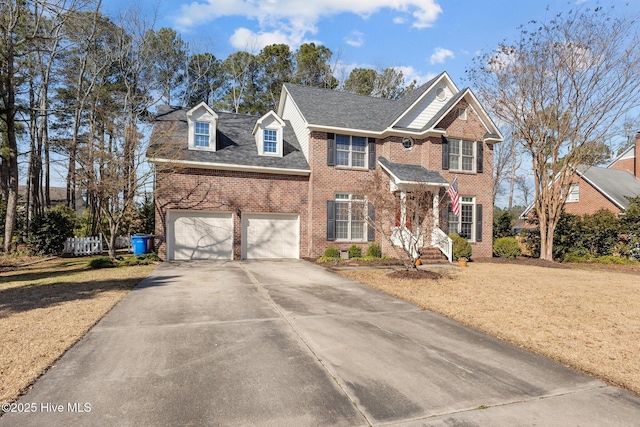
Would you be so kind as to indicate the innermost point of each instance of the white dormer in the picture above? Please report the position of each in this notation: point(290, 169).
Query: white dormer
point(203, 123)
point(268, 131)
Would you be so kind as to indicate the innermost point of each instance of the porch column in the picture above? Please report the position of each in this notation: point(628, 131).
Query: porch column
point(403, 209)
point(436, 209)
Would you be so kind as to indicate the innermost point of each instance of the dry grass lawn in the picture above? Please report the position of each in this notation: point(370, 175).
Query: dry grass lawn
point(45, 308)
point(586, 319)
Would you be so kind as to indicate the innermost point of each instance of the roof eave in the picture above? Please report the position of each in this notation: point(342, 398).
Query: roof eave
point(231, 167)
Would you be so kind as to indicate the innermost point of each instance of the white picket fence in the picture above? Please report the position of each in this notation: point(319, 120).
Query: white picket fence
point(83, 245)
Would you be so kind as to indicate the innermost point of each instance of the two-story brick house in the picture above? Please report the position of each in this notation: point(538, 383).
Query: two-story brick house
point(287, 184)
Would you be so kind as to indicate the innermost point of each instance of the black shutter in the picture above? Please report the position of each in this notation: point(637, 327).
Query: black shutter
point(331, 149)
point(331, 220)
point(480, 153)
point(478, 223)
point(372, 153)
point(371, 232)
point(445, 154)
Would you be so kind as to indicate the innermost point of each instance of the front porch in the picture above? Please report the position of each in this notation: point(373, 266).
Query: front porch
point(419, 194)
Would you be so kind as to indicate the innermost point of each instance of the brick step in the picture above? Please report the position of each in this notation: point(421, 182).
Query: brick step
point(432, 256)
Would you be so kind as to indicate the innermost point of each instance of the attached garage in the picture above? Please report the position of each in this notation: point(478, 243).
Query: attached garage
point(270, 235)
point(193, 235)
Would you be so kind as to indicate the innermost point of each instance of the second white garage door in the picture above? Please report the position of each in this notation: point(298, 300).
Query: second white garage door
point(270, 235)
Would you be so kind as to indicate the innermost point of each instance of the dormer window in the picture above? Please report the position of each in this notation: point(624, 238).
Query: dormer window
point(202, 134)
point(269, 135)
point(202, 121)
point(270, 141)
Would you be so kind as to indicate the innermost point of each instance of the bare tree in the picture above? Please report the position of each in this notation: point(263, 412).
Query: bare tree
point(404, 219)
point(562, 85)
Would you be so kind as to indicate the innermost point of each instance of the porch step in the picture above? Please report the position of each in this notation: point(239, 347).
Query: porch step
point(433, 256)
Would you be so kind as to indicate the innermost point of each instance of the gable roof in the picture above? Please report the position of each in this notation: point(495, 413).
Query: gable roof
point(236, 145)
point(326, 108)
point(412, 174)
point(612, 183)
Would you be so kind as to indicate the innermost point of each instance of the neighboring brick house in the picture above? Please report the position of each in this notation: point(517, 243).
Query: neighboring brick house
point(595, 188)
point(282, 185)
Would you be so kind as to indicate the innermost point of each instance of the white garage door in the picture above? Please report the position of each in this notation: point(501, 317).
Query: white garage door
point(270, 236)
point(199, 235)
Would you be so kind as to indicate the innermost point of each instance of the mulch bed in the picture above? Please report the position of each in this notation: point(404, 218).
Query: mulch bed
point(414, 274)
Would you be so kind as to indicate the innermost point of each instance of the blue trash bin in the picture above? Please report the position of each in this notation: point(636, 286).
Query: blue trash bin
point(139, 244)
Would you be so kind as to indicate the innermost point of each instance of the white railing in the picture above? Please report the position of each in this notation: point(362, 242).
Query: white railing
point(403, 237)
point(440, 240)
point(83, 245)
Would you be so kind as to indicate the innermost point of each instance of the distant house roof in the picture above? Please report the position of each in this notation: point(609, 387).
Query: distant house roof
point(236, 145)
point(614, 184)
point(405, 173)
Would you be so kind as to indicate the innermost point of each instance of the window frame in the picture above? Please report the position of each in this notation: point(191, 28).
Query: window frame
point(462, 113)
point(198, 133)
point(274, 142)
point(459, 156)
point(350, 199)
point(350, 152)
point(573, 196)
point(471, 202)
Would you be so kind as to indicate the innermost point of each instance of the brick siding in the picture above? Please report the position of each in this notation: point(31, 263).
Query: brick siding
point(591, 200)
point(229, 191)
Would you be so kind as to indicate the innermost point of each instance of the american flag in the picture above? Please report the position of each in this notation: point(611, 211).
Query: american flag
point(452, 191)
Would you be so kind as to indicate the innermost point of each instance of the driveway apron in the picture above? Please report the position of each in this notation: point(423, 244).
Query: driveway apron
point(288, 343)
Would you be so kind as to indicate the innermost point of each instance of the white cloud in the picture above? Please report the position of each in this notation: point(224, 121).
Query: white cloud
point(399, 20)
point(294, 19)
point(356, 39)
point(440, 55)
point(409, 73)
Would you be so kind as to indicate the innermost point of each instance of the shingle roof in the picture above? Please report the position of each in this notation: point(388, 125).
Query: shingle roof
point(236, 144)
point(412, 173)
point(324, 107)
point(615, 184)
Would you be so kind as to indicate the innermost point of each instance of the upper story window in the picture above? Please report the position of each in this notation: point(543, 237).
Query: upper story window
point(202, 124)
point(461, 155)
point(351, 151)
point(462, 113)
point(269, 134)
point(202, 134)
point(574, 193)
point(270, 141)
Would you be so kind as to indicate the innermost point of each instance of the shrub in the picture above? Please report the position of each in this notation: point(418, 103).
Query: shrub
point(503, 224)
point(506, 247)
point(355, 252)
point(332, 252)
point(144, 259)
point(531, 240)
point(461, 247)
point(334, 260)
point(50, 230)
point(374, 250)
point(578, 255)
point(101, 262)
point(610, 259)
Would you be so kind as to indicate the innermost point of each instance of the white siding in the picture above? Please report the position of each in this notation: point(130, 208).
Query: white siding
point(290, 112)
point(424, 110)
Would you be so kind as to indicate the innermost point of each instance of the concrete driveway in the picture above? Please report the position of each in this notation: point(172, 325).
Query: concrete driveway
point(287, 343)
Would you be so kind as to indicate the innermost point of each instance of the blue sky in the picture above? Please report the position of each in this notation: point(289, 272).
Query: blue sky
point(421, 37)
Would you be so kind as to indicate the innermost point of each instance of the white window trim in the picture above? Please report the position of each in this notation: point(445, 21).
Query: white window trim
point(204, 114)
point(462, 113)
point(196, 134)
point(350, 165)
point(473, 204)
point(365, 230)
point(474, 150)
point(270, 121)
